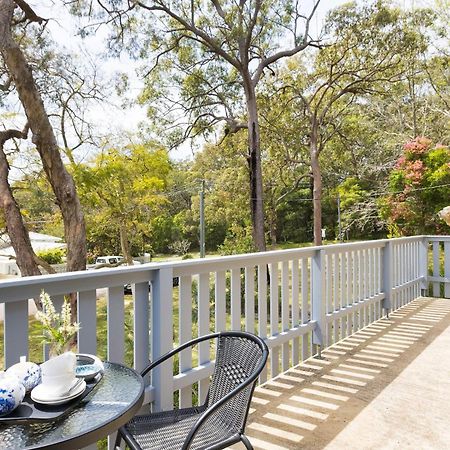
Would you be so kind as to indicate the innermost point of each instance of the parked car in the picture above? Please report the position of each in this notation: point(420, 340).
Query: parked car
point(127, 287)
point(112, 260)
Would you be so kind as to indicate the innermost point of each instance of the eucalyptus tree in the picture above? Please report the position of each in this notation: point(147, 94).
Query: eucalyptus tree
point(25, 257)
point(19, 24)
point(219, 48)
point(367, 46)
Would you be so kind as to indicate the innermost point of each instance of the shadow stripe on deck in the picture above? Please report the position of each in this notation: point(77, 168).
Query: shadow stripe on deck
point(354, 371)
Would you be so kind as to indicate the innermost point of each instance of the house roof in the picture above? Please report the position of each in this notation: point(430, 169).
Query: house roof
point(39, 242)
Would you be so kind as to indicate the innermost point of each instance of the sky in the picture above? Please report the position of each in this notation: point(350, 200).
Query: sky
point(111, 116)
point(107, 117)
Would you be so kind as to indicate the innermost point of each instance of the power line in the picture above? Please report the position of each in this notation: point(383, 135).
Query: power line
point(380, 194)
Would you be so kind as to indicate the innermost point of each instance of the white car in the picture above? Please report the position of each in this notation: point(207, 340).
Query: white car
point(113, 260)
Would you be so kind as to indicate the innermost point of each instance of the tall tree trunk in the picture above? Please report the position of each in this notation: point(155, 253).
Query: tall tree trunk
point(44, 138)
point(317, 180)
point(20, 240)
point(124, 244)
point(254, 167)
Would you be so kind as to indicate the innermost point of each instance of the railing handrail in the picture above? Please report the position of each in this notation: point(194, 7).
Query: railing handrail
point(56, 284)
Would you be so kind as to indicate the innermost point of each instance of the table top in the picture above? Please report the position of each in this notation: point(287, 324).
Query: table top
point(115, 400)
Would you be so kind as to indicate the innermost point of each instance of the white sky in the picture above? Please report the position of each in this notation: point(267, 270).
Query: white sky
point(114, 119)
point(64, 32)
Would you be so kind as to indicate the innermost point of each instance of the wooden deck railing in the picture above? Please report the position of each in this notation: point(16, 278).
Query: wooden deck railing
point(296, 299)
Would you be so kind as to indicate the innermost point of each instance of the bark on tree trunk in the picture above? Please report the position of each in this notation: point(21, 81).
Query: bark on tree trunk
point(317, 180)
point(255, 171)
point(124, 244)
point(20, 240)
point(44, 138)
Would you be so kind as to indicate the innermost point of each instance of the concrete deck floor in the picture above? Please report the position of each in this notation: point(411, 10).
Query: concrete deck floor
point(385, 387)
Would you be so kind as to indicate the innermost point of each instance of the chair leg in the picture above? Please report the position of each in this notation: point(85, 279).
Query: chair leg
point(118, 439)
point(246, 442)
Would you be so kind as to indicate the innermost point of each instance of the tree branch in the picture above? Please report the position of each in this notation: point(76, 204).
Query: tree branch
point(12, 133)
point(305, 42)
point(30, 15)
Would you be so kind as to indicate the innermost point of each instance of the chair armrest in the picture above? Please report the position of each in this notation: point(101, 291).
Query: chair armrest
point(177, 350)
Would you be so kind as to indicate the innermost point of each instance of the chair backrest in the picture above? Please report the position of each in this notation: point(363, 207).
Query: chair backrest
point(239, 356)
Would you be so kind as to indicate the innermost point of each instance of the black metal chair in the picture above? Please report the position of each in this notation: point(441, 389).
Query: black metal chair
point(220, 422)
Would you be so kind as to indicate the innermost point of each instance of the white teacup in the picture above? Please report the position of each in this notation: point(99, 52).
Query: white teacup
point(58, 374)
point(57, 385)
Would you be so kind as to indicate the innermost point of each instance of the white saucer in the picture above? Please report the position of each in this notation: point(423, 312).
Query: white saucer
point(40, 395)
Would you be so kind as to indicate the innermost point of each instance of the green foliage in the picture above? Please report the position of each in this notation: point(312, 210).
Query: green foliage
point(238, 240)
point(123, 190)
point(52, 256)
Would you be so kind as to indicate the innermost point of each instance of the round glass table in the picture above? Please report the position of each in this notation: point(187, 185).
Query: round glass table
point(114, 401)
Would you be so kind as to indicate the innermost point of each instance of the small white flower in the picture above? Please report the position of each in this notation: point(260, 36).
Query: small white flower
point(57, 327)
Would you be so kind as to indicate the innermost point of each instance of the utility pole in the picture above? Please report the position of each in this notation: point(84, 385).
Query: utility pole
point(341, 238)
point(202, 220)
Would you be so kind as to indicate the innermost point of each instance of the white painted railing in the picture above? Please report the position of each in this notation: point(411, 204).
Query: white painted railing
point(296, 299)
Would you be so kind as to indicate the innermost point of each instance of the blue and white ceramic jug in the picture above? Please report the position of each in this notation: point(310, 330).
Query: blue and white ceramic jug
point(28, 373)
point(12, 392)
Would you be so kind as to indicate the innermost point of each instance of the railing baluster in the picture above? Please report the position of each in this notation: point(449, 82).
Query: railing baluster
point(262, 309)
point(185, 319)
point(436, 268)
point(306, 304)
point(115, 326)
point(447, 268)
point(285, 312)
point(203, 329)
point(220, 301)
point(355, 290)
point(87, 317)
point(348, 302)
point(329, 297)
point(388, 276)
point(360, 288)
point(343, 292)
point(364, 286)
point(295, 320)
point(336, 294)
point(15, 331)
point(250, 299)
point(274, 325)
point(236, 299)
point(370, 276)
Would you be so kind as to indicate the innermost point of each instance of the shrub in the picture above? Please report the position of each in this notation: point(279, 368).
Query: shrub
point(180, 247)
point(52, 256)
point(238, 240)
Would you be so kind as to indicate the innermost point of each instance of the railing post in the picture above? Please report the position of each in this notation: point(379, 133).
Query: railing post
point(423, 265)
point(387, 278)
point(162, 338)
point(318, 299)
point(141, 353)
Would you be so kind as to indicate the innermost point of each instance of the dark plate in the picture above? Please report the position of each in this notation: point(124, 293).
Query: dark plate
point(29, 411)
